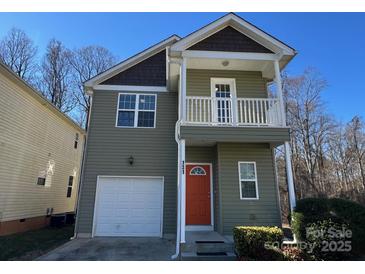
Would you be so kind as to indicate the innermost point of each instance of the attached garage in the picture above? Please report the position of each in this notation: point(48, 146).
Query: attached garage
point(128, 206)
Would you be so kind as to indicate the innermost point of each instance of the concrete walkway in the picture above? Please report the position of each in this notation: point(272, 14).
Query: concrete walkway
point(113, 249)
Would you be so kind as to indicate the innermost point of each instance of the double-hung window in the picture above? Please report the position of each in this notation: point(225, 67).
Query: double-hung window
point(248, 180)
point(136, 110)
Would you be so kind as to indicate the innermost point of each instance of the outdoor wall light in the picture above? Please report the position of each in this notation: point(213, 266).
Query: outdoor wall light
point(225, 63)
point(131, 160)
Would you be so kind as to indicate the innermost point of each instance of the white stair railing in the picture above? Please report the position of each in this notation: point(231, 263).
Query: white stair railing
point(219, 111)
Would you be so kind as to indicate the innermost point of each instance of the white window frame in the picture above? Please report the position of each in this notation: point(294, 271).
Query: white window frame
point(223, 81)
point(247, 180)
point(136, 110)
point(232, 83)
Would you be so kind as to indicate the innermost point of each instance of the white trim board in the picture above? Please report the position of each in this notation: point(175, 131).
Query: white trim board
point(131, 88)
point(239, 24)
point(248, 56)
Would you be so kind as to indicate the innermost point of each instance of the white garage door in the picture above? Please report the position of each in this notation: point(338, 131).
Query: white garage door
point(129, 206)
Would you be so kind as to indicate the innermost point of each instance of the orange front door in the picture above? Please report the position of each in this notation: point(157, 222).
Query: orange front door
point(198, 194)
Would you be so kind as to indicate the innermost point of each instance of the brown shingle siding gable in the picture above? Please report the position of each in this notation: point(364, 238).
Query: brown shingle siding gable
point(229, 39)
point(149, 72)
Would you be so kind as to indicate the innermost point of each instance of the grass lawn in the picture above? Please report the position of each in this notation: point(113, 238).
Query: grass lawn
point(32, 244)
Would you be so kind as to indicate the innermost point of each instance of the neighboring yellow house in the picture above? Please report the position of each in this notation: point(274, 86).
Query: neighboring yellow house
point(40, 157)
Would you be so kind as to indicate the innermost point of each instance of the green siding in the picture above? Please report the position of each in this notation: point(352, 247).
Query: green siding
point(264, 211)
point(235, 134)
point(108, 150)
point(249, 84)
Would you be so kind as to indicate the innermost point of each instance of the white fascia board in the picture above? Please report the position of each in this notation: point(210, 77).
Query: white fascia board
point(230, 55)
point(240, 24)
point(131, 88)
point(131, 61)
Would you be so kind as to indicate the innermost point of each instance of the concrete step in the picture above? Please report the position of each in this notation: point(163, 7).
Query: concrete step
point(208, 247)
point(189, 256)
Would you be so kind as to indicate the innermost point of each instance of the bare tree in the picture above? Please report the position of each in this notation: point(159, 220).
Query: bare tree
point(328, 158)
point(18, 51)
point(55, 81)
point(87, 62)
point(356, 136)
point(310, 126)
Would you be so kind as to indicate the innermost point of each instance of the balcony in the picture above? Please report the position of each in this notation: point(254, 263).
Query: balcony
point(235, 112)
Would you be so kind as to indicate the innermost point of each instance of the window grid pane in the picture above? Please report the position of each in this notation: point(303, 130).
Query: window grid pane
point(247, 171)
point(146, 102)
point(146, 119)
point(248, 189)
point(126, 118)
point(127, 101)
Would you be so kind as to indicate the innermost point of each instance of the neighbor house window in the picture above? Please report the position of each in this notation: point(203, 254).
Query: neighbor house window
point(76, 141)
point(69, 187)
point(248, 180)
point(136, 110)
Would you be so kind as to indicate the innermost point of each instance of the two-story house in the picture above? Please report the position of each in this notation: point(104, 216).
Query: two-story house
point(41, 151)
point(182, 136)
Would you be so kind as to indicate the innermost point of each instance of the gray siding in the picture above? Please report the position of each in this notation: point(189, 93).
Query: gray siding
point(108, 150)
point(264, 211)
point(229, 39)
point(149, 72)
point(235, 134)
point(249, 84)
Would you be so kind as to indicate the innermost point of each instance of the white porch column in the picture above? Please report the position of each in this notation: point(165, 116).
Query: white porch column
point(183, 190)
point(183, 89)
point(279, 90)
point(289, 174)
point(289, 170)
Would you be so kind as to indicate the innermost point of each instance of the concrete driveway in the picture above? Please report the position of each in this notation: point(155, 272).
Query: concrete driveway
point(113, 249)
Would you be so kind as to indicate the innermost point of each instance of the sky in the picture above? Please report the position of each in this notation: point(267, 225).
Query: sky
point(333, 43)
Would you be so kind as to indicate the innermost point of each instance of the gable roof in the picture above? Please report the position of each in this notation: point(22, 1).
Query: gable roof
point(124, 65)
point(229, 39)
point(240, 25)
point(7, 72)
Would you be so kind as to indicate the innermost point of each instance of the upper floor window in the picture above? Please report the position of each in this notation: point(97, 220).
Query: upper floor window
point(136, 110)
point(248, 180)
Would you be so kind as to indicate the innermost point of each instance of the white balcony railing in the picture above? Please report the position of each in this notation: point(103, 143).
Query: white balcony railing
point(206, 110)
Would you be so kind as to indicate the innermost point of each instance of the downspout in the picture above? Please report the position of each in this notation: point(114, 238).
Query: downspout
point(81, 179)
point(177, 139)
point(178, 221)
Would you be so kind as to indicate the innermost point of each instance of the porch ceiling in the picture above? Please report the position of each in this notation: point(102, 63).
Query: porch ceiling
point(266, 67)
